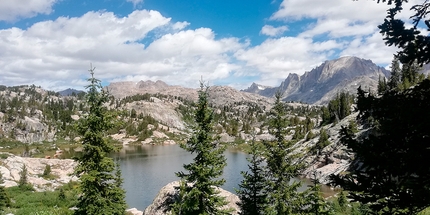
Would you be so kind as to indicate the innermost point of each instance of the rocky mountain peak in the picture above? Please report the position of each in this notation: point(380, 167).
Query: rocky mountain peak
point(255, 88)
point(347, 67)
point(151, 84)
point(324, 81)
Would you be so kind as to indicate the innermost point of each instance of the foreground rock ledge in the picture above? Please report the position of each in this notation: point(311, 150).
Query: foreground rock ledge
point(168, 194)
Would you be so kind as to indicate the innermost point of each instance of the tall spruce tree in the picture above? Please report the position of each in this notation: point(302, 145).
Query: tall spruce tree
point(394, 81)
point(282, 166)
point(100, 191)
point(252, 192)
point(197, 192)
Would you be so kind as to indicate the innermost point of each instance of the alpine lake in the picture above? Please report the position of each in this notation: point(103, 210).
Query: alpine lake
point(147, 168)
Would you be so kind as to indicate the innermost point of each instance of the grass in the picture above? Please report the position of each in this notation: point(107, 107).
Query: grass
point(25, 201)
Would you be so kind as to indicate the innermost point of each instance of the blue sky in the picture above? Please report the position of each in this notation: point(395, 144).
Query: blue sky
point(51, 43)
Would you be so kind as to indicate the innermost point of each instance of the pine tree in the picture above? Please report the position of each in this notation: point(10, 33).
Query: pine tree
point(252, 195)
point(382, 85)
point(23, 179)
point(322, 142)
point(282, 169)
point(100, 193)
point(317, 205)
point(394, 81)
point(197, 192)
point(4, 197)
point(385, 175)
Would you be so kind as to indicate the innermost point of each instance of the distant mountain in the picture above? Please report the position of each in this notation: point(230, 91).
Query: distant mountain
point(69, 92)
point(322, 83)
point(218, 95)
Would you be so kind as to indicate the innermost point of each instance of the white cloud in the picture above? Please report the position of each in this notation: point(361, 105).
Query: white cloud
point(11, 10)
point(276, 58)
point(180, 25)
point(146, 45)
point(273, 31)
point(370, 47)
point(56, 54)
point(361, 11)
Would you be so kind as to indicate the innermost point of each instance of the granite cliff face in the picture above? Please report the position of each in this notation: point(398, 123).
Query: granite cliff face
point(322, 83)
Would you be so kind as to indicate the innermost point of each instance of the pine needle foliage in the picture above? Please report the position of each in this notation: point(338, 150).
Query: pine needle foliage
point(197, 192)
point(100, 190)
point(252, 192)
point(282, 166)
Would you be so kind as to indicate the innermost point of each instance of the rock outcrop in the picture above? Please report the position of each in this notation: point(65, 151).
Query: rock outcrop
point(333, 159)
point(61, 169)
point(168, 195)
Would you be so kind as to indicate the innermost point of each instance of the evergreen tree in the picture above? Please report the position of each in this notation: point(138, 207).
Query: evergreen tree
point(382, 85)
point(413, 45)
point(322, 142)
point(385, 174)
point(282, 169)
point(337, 108)
point(252, 195)
point(23, 178)
point(197, 192)
point(100, 192)
point(317, 205)
point(4, 197)
point(410, 75)
point(393, 83)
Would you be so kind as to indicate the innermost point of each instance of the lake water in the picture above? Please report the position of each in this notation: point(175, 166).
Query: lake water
point(146, 169)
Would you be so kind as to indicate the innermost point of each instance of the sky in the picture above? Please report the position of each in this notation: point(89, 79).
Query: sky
point(52, 43)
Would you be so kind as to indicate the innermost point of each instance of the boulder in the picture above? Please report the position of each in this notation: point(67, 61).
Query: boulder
point(168, 195)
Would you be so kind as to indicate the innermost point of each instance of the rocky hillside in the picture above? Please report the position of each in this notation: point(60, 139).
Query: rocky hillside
point(322, 83)
point(219, 95)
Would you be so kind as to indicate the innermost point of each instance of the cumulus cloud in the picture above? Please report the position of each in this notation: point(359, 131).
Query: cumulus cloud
point(56, 54)
point(273, 31)
point(146, 45)
point(180, 25)
point(350, 23)
point(370, 47)
point(13, 10)
point(276, 58)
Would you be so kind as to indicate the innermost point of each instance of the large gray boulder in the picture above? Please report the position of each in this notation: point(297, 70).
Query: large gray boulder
point(168, 195)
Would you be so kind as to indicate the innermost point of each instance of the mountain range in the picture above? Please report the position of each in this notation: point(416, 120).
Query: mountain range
point(322, 83)
point(317, 86)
